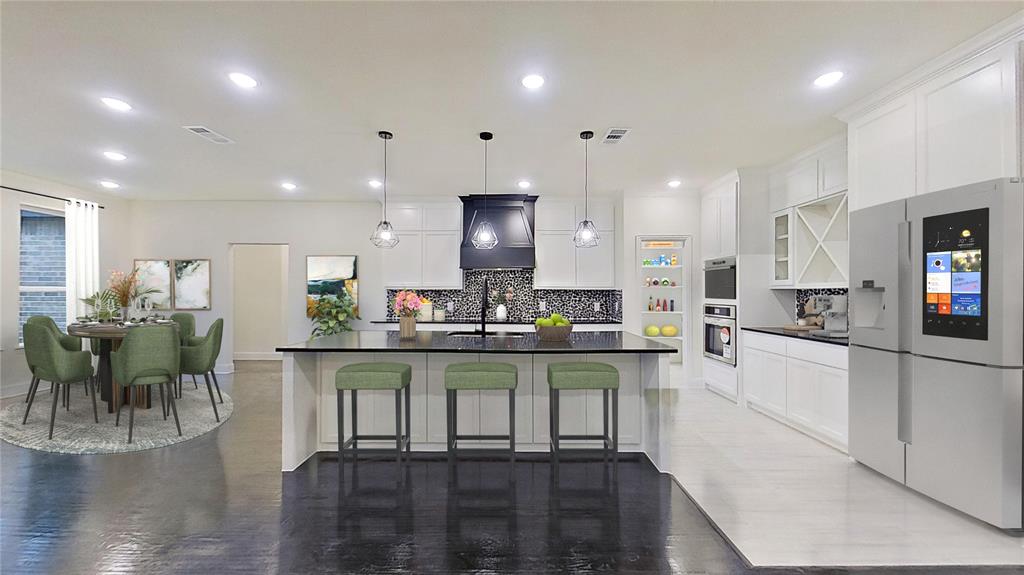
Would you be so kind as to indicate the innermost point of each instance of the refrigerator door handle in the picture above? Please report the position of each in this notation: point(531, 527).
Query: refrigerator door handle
point(905, 399)
point(904, 287)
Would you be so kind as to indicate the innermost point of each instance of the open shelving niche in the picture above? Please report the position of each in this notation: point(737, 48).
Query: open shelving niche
point(652, 247)
point(822, 242)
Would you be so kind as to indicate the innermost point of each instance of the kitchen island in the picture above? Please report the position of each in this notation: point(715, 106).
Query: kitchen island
point(309, 412)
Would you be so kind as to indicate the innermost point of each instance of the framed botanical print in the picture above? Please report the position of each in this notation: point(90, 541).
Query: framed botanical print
point(156, 274)
point(191, 284)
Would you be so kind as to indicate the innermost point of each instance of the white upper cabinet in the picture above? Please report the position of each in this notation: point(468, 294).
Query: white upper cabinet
point(718, 220)
point(554, 215)
point(814, 174)
point(968, 119)
point(403, 264)
point(442, 216)
point(595, 267)
point(441, 260)
point(405, 217)
point(556, 260)
point(427, 254)
point(956, 126)
point(560, 264)
point(882, 154)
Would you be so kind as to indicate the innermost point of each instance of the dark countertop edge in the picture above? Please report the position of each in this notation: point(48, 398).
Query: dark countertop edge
point(565, 351)
point(496, 324)
point(845, 342)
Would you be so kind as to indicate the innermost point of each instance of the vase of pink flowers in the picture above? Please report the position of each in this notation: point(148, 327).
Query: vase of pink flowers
point(504, 299)
point(407, 306)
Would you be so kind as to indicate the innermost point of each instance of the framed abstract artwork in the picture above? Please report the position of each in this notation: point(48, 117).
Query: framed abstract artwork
point(191, 284)
point(156, 274)
point(330, 275)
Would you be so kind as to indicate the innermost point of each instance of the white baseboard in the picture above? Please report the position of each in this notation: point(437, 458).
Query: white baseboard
point(258, 355)
point(14, 389)
point(224, 368)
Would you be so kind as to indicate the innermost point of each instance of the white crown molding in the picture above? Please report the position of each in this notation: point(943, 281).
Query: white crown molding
point(788, 163)
point(1009, 30)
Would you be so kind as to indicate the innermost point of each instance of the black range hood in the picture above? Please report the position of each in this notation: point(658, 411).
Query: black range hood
point(512, 216)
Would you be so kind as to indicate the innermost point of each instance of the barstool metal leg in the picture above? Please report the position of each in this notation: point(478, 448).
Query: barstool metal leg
point(604, 420)
point(554, 428)
point(408, 422)
point(355, 428)
point(341, 427)
point(450, 417)
point(615, 426)
point(512, 429)
point(398, 426)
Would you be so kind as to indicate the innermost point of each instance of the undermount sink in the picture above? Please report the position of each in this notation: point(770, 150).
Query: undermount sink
point(478, 333)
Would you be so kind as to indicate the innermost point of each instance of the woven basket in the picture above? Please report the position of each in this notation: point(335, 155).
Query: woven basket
point(554, 333)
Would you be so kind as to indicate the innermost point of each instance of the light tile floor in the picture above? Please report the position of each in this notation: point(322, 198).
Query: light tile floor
point(784, 499)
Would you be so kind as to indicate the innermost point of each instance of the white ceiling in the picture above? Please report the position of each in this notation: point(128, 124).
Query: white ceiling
point(706, 87)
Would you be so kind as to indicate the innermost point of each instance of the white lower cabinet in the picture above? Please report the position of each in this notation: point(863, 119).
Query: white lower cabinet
point(780, 380)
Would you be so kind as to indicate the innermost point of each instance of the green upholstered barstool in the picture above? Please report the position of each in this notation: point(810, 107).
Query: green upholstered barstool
point(376, 376)
point(565, 376)
point(480, 376)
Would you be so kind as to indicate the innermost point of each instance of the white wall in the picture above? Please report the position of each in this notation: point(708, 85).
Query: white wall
point(677, 214)
point(198, 229)
point(259, 273)
point(114, 250)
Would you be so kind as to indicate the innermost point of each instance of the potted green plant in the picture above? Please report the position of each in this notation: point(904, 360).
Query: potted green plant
point(331, 313)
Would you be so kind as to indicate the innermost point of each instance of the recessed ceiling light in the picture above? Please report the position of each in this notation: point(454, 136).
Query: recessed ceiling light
point(533, 81)
point(524, 184)
point(375, 184)
point(674, 183)
point(109, 185)
point(116, 156)
point(119, 105)
point(288, 186)
point(243, 80)
point(828, 80)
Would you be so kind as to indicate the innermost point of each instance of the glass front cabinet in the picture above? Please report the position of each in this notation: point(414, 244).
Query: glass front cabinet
point(782, 260)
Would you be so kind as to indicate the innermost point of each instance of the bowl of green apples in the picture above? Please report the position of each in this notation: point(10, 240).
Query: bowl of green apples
point(554, 328)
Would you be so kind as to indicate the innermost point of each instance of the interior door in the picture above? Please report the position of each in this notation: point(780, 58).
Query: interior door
point(966, 447)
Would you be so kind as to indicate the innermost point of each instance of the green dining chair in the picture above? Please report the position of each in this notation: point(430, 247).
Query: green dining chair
point(149, 355)
point(49, 360)
point(68, 342)
point(200, 357)
point(186, 331)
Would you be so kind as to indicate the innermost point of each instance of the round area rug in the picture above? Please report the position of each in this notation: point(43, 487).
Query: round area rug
point(76, 431)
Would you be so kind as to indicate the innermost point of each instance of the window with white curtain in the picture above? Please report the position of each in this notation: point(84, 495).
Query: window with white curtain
point(43, 283)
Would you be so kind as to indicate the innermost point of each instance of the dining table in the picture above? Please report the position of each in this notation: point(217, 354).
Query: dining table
point(108, 336)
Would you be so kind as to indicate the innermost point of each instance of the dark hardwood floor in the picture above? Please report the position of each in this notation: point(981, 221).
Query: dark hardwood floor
point(219, 504)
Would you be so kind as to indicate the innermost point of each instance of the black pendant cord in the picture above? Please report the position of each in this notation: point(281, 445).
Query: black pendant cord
point(586, 179)
point(485, 180)
point(384, 210)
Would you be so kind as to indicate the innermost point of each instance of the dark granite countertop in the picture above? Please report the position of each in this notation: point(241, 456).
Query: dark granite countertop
point(843, 341)
point(496, 324)
point(441, 342)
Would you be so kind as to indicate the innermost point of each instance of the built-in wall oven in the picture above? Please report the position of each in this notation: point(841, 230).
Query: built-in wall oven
point(720, 278)
point(720, 333)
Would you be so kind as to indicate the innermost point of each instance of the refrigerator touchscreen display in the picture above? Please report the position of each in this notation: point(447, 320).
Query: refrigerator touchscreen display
point(955, 275)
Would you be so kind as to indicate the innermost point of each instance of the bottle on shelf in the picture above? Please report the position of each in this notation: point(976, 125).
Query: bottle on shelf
point(650, 303)
point(675, 262)
point(672, 305)
point(657, 307)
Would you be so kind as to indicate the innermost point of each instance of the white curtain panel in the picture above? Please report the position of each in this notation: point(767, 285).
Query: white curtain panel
point(82, 250)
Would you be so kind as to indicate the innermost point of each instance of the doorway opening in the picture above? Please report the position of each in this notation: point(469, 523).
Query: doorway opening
point(259, 274)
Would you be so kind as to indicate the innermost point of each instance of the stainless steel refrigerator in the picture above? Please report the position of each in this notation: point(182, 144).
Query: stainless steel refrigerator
point(937, 346)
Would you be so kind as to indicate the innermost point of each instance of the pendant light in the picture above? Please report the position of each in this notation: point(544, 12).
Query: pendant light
point(484, 237)
point(384, 236)
point(586, 235)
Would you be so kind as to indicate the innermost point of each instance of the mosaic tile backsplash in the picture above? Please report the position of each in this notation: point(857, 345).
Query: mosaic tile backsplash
point(577, 305)
point(802, 295)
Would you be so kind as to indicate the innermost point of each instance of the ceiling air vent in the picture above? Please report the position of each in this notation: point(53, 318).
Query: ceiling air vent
point(614, 135)
point(204, 132)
